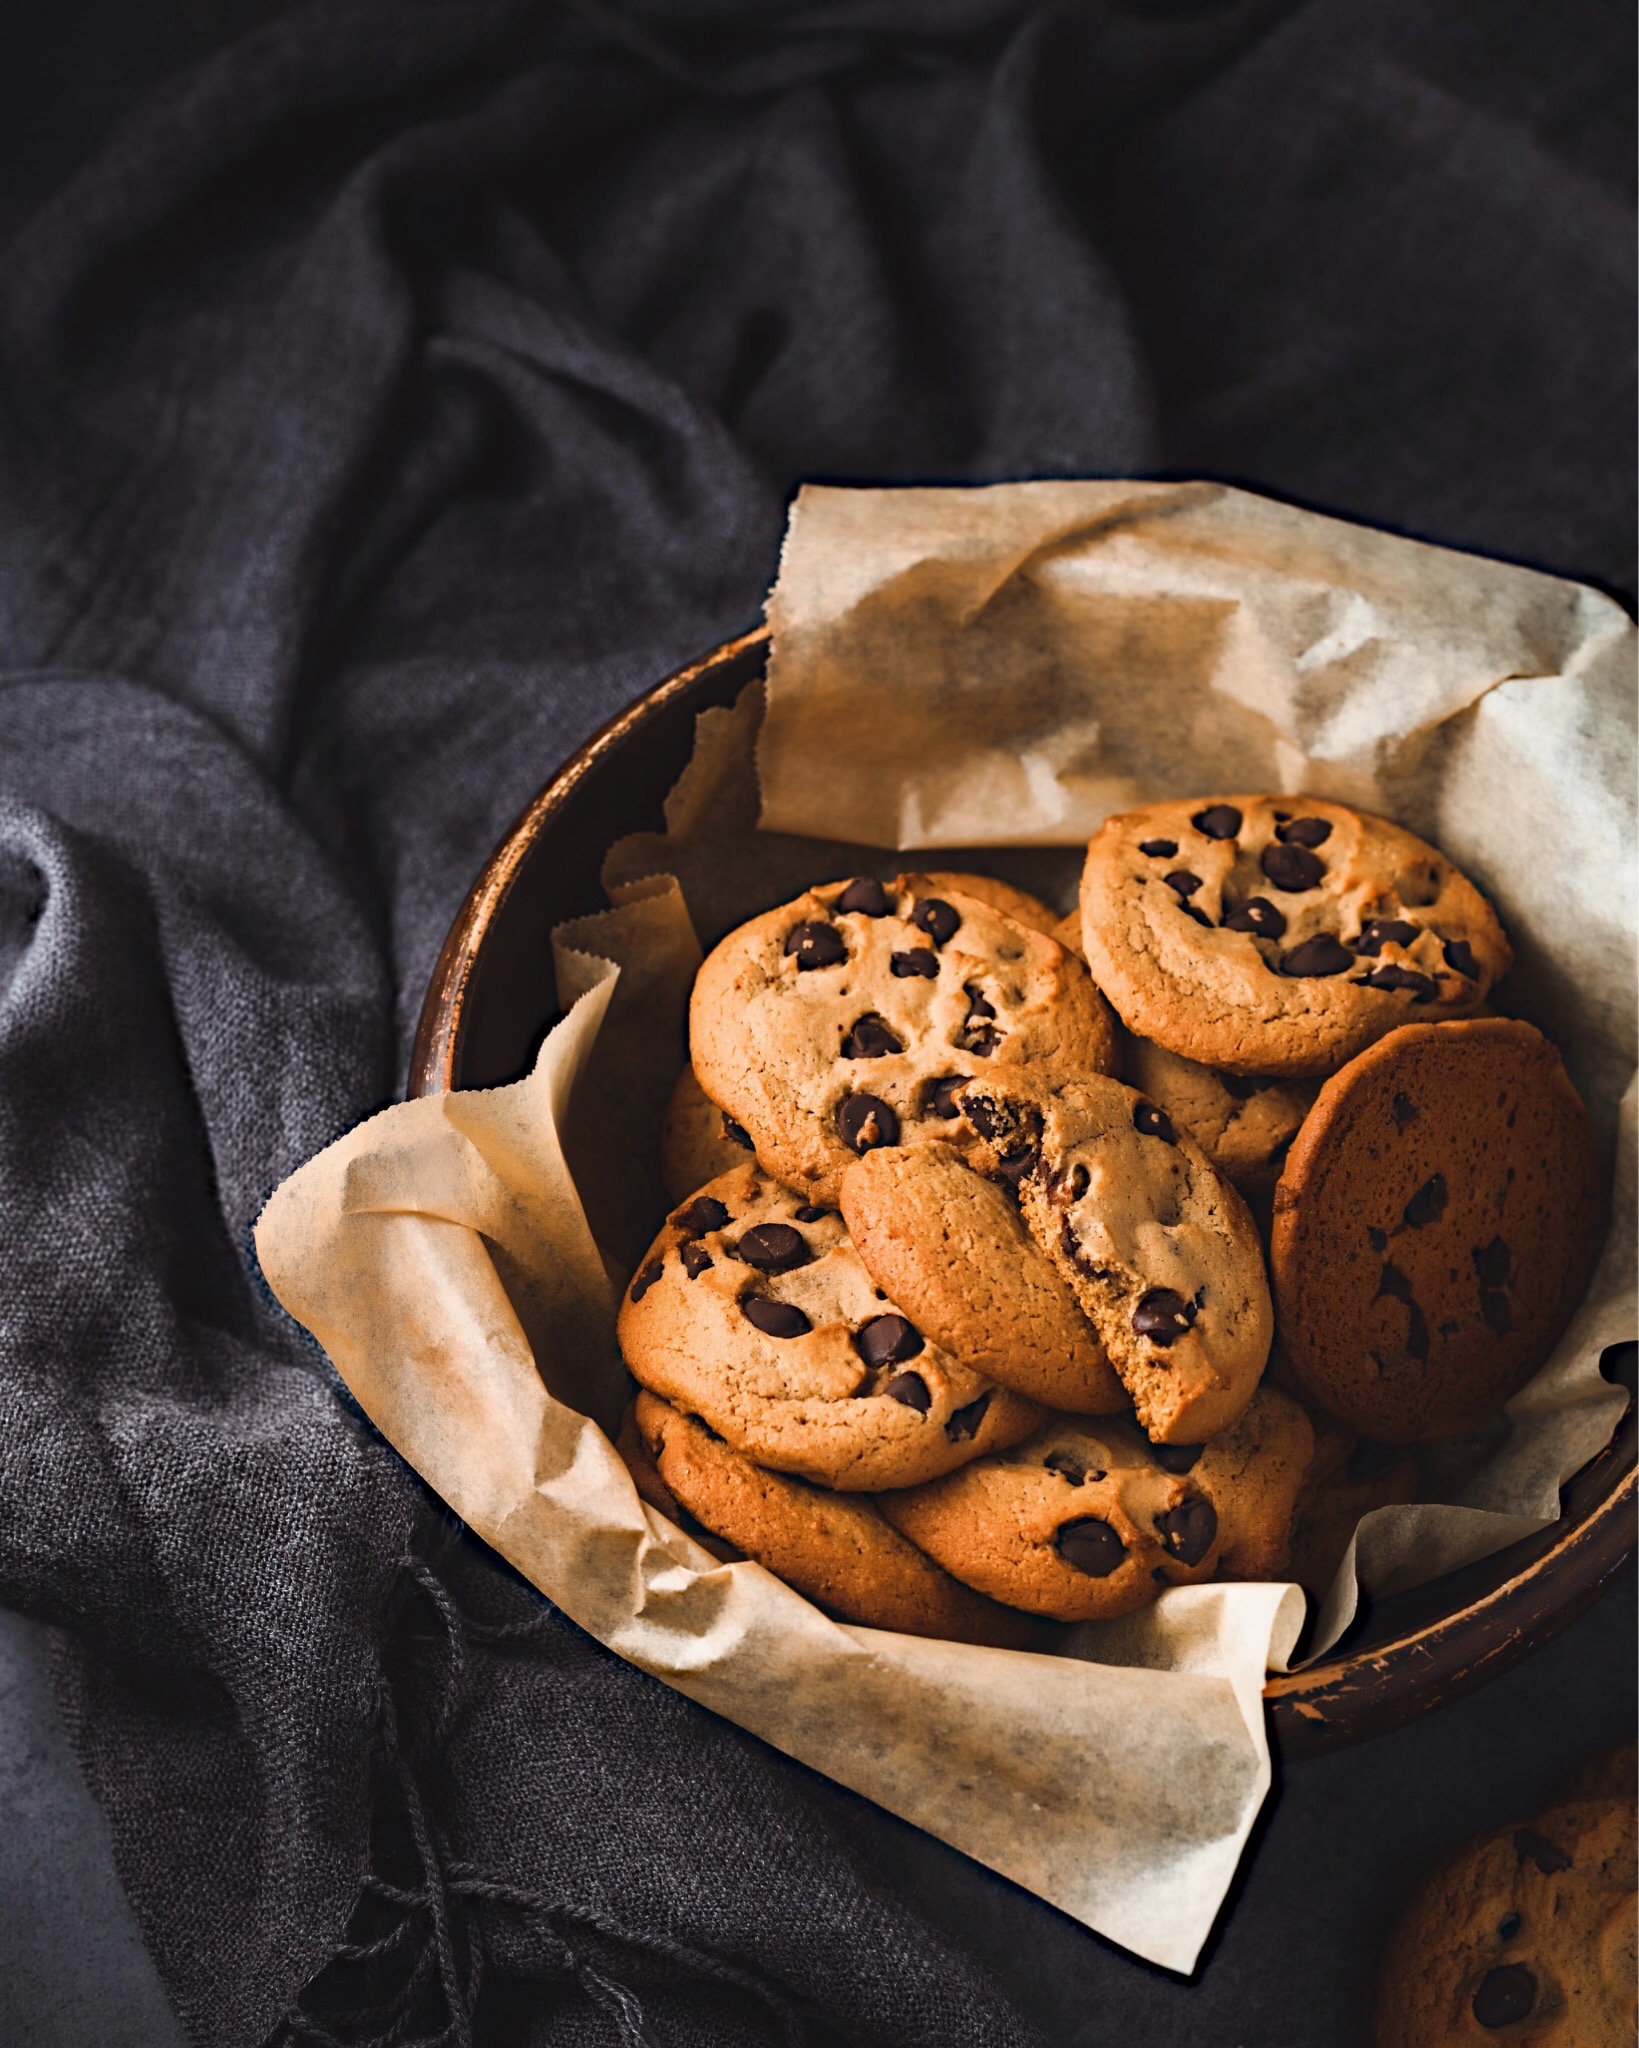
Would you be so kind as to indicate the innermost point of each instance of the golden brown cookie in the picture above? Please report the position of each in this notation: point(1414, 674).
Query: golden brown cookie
point(835, 1549)
point(1279, 935)
point(1242, 1122)
point(1434, 1227)
point(1526, 1935)
point(697, 1142)
point(752, 1310)
point(842, 1021)
point(652, 1488)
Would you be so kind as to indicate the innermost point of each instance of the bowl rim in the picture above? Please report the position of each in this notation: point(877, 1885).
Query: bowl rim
point(1345, 1696)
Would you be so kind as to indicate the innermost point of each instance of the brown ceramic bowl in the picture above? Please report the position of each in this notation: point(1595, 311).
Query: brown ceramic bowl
point(492, 998)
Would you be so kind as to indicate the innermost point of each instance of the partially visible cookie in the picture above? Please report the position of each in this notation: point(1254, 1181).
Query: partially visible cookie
point(1254, 1474)
point(1611, 1774)
point(1243, 1123)
point(1280, 935)
point(1527, 1934)
point(834, 1548)
point(1018, 904)
point(752, 1311)
point(842, 1021)
point(1434, 1227)
point(1349, 1478)
point(697, 1141)
point(651, 1487)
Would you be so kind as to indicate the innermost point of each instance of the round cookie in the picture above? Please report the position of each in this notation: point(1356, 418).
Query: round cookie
point(834, 1548)
point(1018, 904)
point(1280, 935)
point(752, 1311)
point(1242, 1123)
point(1434, 1227)
point(1526, 1935)
point(842, 1021)
point(1349, 1477)
point(697, 1142)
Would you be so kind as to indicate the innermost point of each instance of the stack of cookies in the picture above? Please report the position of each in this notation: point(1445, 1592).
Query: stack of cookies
point(989, 1220)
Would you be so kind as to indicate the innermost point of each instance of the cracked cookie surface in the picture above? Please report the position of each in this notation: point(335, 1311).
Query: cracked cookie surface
point(1280, 935)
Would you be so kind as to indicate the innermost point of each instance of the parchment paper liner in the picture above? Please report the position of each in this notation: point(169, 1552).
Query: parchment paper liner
point(988, 667)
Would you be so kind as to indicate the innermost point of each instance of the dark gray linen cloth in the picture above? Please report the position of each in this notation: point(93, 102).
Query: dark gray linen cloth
point(395, 394)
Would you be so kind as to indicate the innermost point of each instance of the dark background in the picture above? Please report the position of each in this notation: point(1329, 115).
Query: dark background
point(380, 408)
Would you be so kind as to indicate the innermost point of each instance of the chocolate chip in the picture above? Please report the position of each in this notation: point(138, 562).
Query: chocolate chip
point(1292, 868)
point(1158, 849)
point(979, 1039)
point(1163, 1316)
point(1547, 1856)
point(910, 1390)
point(704, 1213)
point(1494, 1263)
point(1176, 1457)
point(1428, 1203)
point(1067, 1465)
point(887, 1340)
point(1241, 1087)
point(1187, 1530)
point(922, 964)
point(1304, 831)
point(1320, 955)
point(866, 1121)
point(1218, 821)
point(1183, 881)
point(1494, 1312)
point(1403, 979)
point(1200, 916)
point(815, 945)
point(1393, 1281)
point(696, 1260)
point(774, 1318)
point(1508, 1926)
point(1379, 1238)
point(986, 1117)
point(871, 1039)
point(940, 1100)
point(1368, 1457)
point(939, 919)
point(1379, 932)
point(977, 1006)
point(737, 1134)
point(963, 1425)
point(1506, 1994)
point(1403, 1110)
point(646, 1279)
point(1091, 1546)
point(1073, 1185)
point(1017, 1167)
point(773, 1248)
point(1153, 1122)
point(1416, 1331)
point(1258, 916)
point(809, 1214)
point(869, 898)
point(1460, 955)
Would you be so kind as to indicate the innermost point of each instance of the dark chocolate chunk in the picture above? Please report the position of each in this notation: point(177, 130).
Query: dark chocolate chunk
point(940, 1100)
point(1153, 1122)
point(646, 1279)
point(869, 898)
point(1176, 1457)
point(1241, 1086)
point(1017, 1167)
point(1508, 1926)
point(1403, 1110)
point(815, 945)
point(1183, 881)
point(1506, 1994)
point(773, 1248)
point(922, 964)
point(872, 1038)
point(809, 1214)
point(979, 1039)
point(1379, 1238)
point(1258, 916)
point(1405, 980)
point(1379, 932)
point(963, 1425)
point(1292, 868)
point(1188, 1529)
point(1199, 916)
point(887, 1340)
point(704, 1213)
point(977, 1006)
point(986, 1117)
point(910, 1390)
point(696, 1260)
point(1158, 849)
point(1073, 1185)
point(1416, 1331)
point(774, 1318)
point(1394, 1282)
point(1304, 831)
point(939, 919)
point(1428, 1202)
point(1091, 1546)
point(1163, 1316)
point(737, 1134)
point(1494, 1263)
point(1494, 1312)
point(1320, 955)
point(1368, 1457)
point(1067, 1465)
point(1218, 821)
point(1547, 1856)
point(866, 1121)
point(1460, 955)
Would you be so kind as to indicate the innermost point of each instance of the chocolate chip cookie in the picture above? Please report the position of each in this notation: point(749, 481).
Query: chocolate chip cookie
point(1434, 1227)
point(697, 1142)
point(1018, 904)
point(842, 1021)
point(752, 1311)
point(1242, 1122)
point(1280, 935)
point(1528, 1935)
